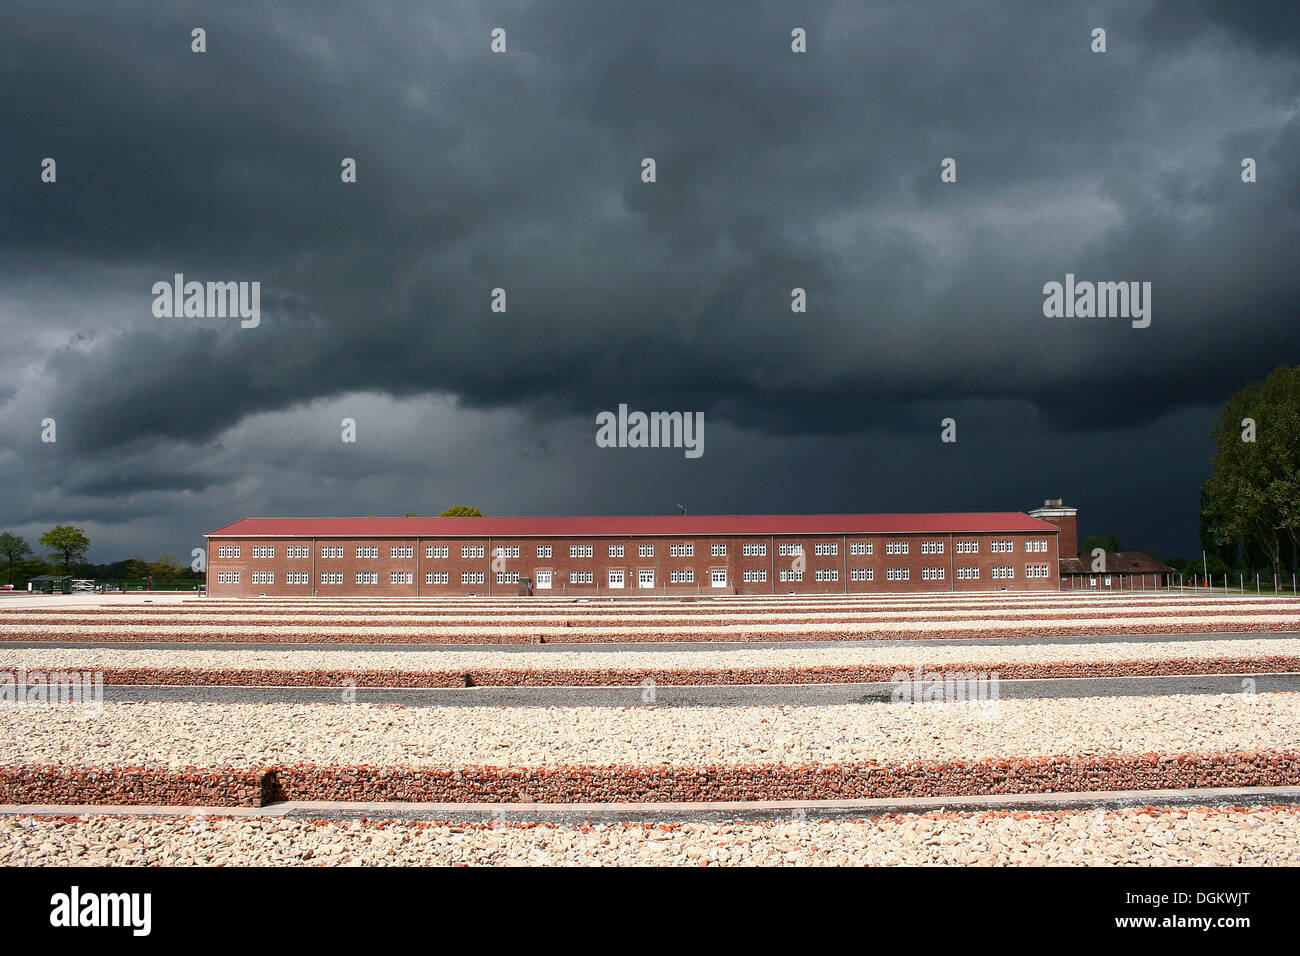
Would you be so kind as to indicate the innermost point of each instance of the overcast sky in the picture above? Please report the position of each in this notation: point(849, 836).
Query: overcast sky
point(522, 170)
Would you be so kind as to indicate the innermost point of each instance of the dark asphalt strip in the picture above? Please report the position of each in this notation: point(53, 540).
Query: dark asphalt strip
point(697, 695)
point(776, 811)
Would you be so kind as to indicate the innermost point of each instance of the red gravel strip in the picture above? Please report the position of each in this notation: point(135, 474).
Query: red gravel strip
point(134, 786)
point(572, 784)
point(586, 677)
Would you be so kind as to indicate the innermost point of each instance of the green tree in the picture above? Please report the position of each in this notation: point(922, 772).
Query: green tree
point(166, 568)
point(1226, 551)
point(69, 542)
point(461, 511)
point(1252, 496)
point(15, 549)
point(1110, 544)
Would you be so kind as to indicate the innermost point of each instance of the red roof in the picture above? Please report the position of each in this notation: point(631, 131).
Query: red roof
point(633, 525)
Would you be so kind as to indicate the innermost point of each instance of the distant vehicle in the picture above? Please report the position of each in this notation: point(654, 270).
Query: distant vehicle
point(6, 587)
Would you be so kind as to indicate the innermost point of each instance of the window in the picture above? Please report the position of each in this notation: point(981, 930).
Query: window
point(754, 550)
point(367, 551)
point(472, 577)
point(437, 551)
point(263, 551)
point(582, 577)
point(645, 551)
point(682, 577)
point(616, 551)
point(791, 575)
point(367, 577)
point(473, 551)
point(544, 551)
point(228, 551)
point(331, 577)
point(331, 551)
point(827, 548)
point(898, 574)
point(582, 551)
point(297, 551)
point(437, 577)
point(616, 579)
point(718, 550)
point(932, 547)
point(507, 577)
point(401, 577)
point(401, 551)
point(717, 577)
point(756, 576)
point(506, 551)
point(789, 549)
point(263, 577)
point(1001, 572)
point(227, 577)
point(681, 550)
point(860, 574)
point(968, 574)
point(297, 577)
point(1035, 570)
point(1000, 547)
point(932, 574)
point(966, 547)
point(1036, 546)
point(860, 547)
point(827, 574)
point(896, 547)
point(645, 578)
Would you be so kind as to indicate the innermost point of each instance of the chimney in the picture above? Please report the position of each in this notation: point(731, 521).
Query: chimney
point(1055, 512)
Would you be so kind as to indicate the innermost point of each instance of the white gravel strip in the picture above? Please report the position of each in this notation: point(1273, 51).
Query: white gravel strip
point(205, 735)
point(1214, 836)
point(799, 656)
point(993, 626)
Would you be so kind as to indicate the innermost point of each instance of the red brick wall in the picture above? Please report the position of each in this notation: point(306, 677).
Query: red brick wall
point(662, 563)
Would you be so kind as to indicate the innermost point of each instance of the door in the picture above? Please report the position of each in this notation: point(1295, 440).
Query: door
point(543, 580)
point(718, 577)
point(645, 579)
point(616, 579)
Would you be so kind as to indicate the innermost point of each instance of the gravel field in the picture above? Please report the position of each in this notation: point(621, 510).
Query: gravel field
point(1132, 837)
point(245, 754)
point(187, 735)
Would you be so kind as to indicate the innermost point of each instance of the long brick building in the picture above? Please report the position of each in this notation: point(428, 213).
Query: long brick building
point(636, 556)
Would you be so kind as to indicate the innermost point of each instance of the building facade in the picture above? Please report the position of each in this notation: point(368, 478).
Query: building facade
point(633, 556)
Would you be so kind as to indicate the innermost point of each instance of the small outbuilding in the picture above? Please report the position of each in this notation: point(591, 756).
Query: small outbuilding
point(1119, 571)
point(49, 583)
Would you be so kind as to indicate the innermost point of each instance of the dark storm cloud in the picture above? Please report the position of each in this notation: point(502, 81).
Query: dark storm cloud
point(522, 171)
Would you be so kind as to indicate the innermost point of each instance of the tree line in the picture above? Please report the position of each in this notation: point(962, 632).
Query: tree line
point(66, 547)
